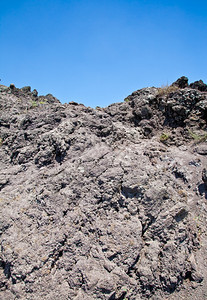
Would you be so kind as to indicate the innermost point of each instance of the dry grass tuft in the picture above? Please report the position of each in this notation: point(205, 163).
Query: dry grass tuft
point(165, 90)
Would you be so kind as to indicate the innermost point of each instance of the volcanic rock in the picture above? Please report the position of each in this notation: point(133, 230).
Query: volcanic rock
point(181, 82)
point(199, 85)
point(106, 203)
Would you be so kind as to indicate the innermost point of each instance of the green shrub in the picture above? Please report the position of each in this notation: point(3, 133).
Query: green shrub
point(34, 104)
point(164, 137)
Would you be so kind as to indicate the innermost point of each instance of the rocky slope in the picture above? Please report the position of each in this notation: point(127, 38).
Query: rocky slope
point(106, 203)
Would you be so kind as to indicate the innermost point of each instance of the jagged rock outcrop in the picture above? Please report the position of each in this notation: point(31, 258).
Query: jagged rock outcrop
point(106, 203)
point(199, 85)
point(181, 82)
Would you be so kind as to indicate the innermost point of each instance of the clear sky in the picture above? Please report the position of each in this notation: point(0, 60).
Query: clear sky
point(97, 52)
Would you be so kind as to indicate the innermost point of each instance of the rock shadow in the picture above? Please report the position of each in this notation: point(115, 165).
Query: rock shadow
point(202, 190)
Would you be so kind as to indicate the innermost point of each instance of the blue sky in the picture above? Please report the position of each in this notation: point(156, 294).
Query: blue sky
point(97, 52)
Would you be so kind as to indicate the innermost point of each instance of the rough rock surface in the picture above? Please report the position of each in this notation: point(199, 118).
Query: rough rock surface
point(106, 203)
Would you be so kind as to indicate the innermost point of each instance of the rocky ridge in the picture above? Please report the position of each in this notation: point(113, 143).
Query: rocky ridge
point(106, 203)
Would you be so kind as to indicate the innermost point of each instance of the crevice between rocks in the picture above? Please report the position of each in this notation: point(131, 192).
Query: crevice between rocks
point(146, 225)
point(132, 267)
point(6, 266)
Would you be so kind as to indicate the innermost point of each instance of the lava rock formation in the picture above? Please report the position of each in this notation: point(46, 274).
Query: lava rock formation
point(106, 203)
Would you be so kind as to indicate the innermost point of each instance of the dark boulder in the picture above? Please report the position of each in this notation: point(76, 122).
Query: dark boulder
point(181, 82)
point(34, 93)
point(12, 86)
point(199, 85)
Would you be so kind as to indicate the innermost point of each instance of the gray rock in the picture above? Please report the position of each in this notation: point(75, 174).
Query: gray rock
point(35, 93)
point(94, 206)
point(201, 149)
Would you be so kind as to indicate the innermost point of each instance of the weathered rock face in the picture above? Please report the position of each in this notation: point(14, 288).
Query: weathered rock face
point(199, 85)
point(106, 203)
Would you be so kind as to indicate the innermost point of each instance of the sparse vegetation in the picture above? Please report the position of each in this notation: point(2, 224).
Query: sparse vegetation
point(164, 137)
point(42, 100)
point(126, 99)
point(165, 90)
point(34, 104)
point(1, 142)
point(198, 138)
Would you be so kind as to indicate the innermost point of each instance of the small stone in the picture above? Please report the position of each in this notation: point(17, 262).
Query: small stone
point(201, 149)
point(73, 103)
point(34, 93)
point(196, 276)
point(204, 176)
point(12, 86)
